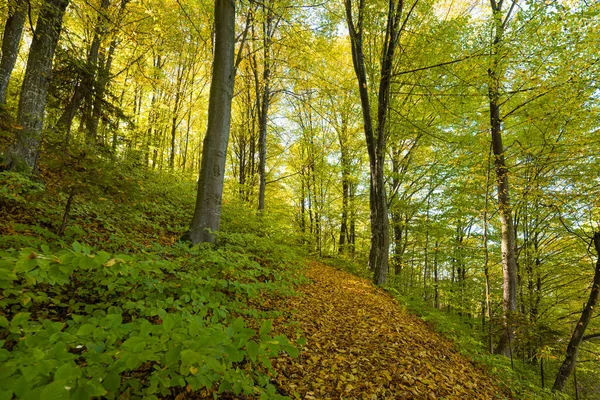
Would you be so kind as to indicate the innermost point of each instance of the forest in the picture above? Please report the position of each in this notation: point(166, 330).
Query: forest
point(230, 198)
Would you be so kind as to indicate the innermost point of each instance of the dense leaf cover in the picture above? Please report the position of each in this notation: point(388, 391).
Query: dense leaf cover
point(79, 322)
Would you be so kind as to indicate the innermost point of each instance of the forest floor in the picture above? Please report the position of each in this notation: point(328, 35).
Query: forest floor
point(362, 344)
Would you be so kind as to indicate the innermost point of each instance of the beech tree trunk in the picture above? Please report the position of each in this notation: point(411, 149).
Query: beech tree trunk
point(268, 32)
point(376, 137)
point(13, 30)
point(570, 361)
point(509, 265)
point(207, 213)
point(34, 91)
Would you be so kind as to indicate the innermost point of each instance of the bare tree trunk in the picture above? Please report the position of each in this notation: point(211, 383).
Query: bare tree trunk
point(13, 30)
point(175, 117)
point(268, 32)
point(376, 138)
point(486, 272)
point(103, 68)
point(345, 163)
point(509, 266)
point(570, 361)
point(207, 213)
point(84, 88)
point(34, 91)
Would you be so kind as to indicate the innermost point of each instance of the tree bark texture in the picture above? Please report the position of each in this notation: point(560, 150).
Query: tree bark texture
point(34, 91)
point(207, 213)
point(13, 30)
point(570, 361)
point(509, 266)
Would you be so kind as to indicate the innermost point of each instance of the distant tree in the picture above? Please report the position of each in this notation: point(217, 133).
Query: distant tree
point(207, 213)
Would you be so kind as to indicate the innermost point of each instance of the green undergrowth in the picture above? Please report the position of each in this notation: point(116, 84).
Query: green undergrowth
point(521, 378)
point(116, 307)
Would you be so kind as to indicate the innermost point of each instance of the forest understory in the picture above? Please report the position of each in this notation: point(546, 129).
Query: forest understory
point(169, 167)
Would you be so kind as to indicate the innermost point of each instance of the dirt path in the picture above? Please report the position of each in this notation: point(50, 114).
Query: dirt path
point(362, 345)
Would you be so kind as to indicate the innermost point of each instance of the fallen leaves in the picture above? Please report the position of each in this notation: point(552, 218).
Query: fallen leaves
point(362, 345)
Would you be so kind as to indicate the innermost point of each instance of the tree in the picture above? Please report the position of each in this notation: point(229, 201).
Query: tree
point(34, 91)
point(509, 266)
point(376, 136)
point(207, 213)
point(568, 364)
point(13, 30)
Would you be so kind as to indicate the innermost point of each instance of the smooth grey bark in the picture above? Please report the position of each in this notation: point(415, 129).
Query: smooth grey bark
point(34, 90)
point(207, 213)
point(486, 271)
point(568, 365)
point(13, 30)
point(509, 265)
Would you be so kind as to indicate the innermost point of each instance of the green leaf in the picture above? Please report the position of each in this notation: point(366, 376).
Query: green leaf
point(188, 357)
point(55, 391)
point(265, 327)
point(19, 319)
point(112, 381)
point(85, 329)
point(6, 395)
point(67, 372)
point(135, 344)
point(252, 348)
point(168, 323)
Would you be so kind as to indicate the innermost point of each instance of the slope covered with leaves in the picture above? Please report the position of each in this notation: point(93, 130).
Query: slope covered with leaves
point(361, 344)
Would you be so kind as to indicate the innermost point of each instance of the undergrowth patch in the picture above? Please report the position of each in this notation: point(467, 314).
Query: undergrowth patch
point(116, 307)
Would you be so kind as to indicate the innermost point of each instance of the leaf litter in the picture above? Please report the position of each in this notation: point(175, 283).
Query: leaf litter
point(361, 344)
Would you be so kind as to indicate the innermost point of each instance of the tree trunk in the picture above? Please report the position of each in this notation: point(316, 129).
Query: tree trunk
point(13, 30)
point(376, 138)
point(486, 260)
point(268, 32)
point(207, 213)
point(84, 88)
point(568, 364)
point(509, 266)
point(102, 80)
point(175, 118)
point(34, 90)
point(345, 164)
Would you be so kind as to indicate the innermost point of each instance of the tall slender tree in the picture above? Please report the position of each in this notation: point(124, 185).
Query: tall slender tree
point(509, 265)
point(568, 364)
point(376, 136)
point(207, 213)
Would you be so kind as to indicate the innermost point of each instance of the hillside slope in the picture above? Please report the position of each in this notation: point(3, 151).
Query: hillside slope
point(361, 344)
